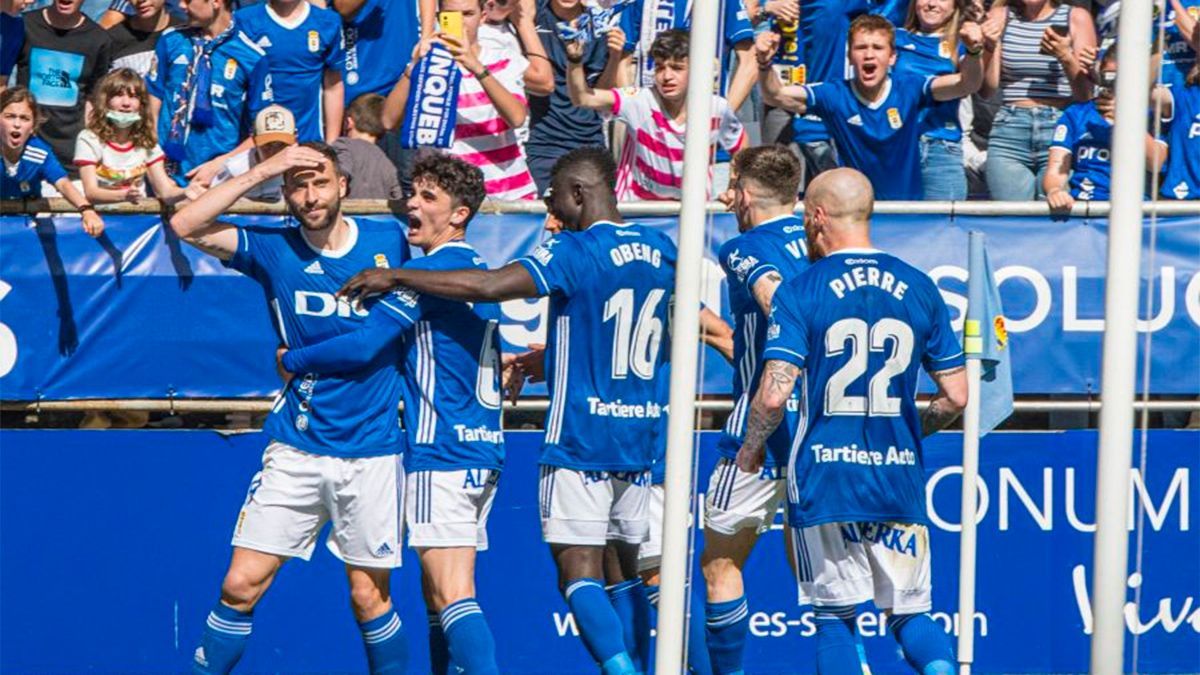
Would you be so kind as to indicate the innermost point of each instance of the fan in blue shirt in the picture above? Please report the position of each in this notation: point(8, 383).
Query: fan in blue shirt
point(208, 82)
point(610, 286)
point(824, 25)
point(874, 118)
point(303, 43)
point(336, 441)
point(645, 19)
point(380, 35)
point(450, 352)
point(1177, 55)
point(1181, 177)
point(927, 47)
point(1081, 147)
point(854, 331)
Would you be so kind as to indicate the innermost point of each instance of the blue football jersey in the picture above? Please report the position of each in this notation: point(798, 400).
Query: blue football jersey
point(1181, 175)
point(379, 40)
point(824, 25)
point(1084, 132)
point(451, 357)
point(240, 88)
point(298, 54)
point(881, 139)
point(349, 414)
point(610, 288)
point(861, 323)
point(1177, 55)
point(774, 246)
point(923, 55)
point(23, 180)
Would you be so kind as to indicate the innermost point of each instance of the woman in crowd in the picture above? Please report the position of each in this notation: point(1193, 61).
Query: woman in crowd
point(28, 160)
point(928, 45)
point(118, 151)
point(1039, 61)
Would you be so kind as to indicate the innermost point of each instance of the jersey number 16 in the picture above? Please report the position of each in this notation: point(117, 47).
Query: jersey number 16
point(634, 346)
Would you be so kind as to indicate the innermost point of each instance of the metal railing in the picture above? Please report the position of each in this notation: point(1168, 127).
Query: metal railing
point(1082, 209)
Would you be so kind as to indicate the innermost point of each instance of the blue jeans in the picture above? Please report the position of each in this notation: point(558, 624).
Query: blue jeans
point(1018, 150)
point(943, 177)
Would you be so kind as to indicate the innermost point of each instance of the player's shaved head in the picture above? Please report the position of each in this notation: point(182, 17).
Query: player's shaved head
point(837, 211)
point(581, 188)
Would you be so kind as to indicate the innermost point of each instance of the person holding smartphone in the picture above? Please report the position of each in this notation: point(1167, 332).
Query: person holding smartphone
point(1038, 58)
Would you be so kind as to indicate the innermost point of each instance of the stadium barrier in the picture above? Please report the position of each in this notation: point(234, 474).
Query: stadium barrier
point(139, 316)
point(128, 533)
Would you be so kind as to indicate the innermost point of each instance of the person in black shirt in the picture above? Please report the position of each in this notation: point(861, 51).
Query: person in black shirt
point(556, 126)
point(64, 56)
point(134, 38)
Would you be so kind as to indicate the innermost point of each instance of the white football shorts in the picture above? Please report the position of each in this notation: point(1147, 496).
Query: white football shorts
point(296, 493)
point(737, 500)
point(650, 552)
point(448, 509)
point(590, 508)
point(849, 563)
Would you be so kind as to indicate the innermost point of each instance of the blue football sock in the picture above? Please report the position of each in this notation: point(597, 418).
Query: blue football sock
point(697, 646)
point(471, 644)
point(599, 626)
point(439, 652)
point(225, 635)
point(387, 649)
point(633, 608)
point(726, 624)
point(837, 642)
point(926, 646)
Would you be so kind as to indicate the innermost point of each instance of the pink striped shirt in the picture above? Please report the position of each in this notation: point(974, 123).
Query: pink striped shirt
point(651, 163)
point(483, 138)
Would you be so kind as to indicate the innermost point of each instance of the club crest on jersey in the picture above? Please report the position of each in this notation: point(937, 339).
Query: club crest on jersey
point(302, 422)
point(943, 49)
point(230, 69)
point(381, 261)
point(894, 121)
point(314, 41)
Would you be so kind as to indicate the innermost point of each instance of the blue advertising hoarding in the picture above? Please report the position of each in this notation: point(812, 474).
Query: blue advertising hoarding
point(138, 314)
point(114, 543)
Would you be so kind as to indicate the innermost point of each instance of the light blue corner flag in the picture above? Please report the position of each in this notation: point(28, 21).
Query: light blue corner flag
point(985, 338)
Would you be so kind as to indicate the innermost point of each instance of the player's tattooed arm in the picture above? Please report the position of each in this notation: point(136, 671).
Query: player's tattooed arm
point(764, 290)
point(766, 411)
point(948, 403)
point(469, 285)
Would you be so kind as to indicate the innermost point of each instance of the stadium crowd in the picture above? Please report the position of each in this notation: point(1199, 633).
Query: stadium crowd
point(932, 99)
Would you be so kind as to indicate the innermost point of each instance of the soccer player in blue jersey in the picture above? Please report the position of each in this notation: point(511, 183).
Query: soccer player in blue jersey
point(450, 352)
point(1181, 177)
point(1080, 163)
point(610, 285)
point(741, 505)
point(335, 448)
point(853, 331)
point(874, 117)
point(303, 43)
point(208, 82)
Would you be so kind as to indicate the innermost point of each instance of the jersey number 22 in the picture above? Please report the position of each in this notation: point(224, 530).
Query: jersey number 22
point(863, 339)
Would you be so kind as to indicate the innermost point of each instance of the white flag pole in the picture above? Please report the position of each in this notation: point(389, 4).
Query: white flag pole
point(685, 328)
point(1115, 452)
point(970, 475)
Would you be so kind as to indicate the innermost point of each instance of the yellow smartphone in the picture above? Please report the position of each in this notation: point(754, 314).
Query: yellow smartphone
point(451, 24)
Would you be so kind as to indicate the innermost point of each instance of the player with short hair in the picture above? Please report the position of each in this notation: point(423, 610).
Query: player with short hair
point(335, 450)
point(454, 451)
point(610, 284)
point(740, 505)
point(860, 323)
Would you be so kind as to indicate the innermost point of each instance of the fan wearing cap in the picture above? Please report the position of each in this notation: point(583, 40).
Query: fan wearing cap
point(274, 130)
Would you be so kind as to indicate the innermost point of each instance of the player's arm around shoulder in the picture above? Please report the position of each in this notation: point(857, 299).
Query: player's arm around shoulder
point(197, 224)
point(467, 285)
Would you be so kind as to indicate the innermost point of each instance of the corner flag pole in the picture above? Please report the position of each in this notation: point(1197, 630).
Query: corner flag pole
point(966, 556)
point(1115, 452)
point(685, 330)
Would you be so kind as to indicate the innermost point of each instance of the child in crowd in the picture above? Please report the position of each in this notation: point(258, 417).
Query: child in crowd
point(118, 150)
point(29, 160)
point(372, 175)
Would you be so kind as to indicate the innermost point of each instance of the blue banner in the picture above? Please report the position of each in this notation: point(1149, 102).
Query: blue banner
point(138, 314)
point(115, 544)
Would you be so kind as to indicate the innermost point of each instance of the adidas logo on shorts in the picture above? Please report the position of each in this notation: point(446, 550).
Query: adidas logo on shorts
point(383, 550)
